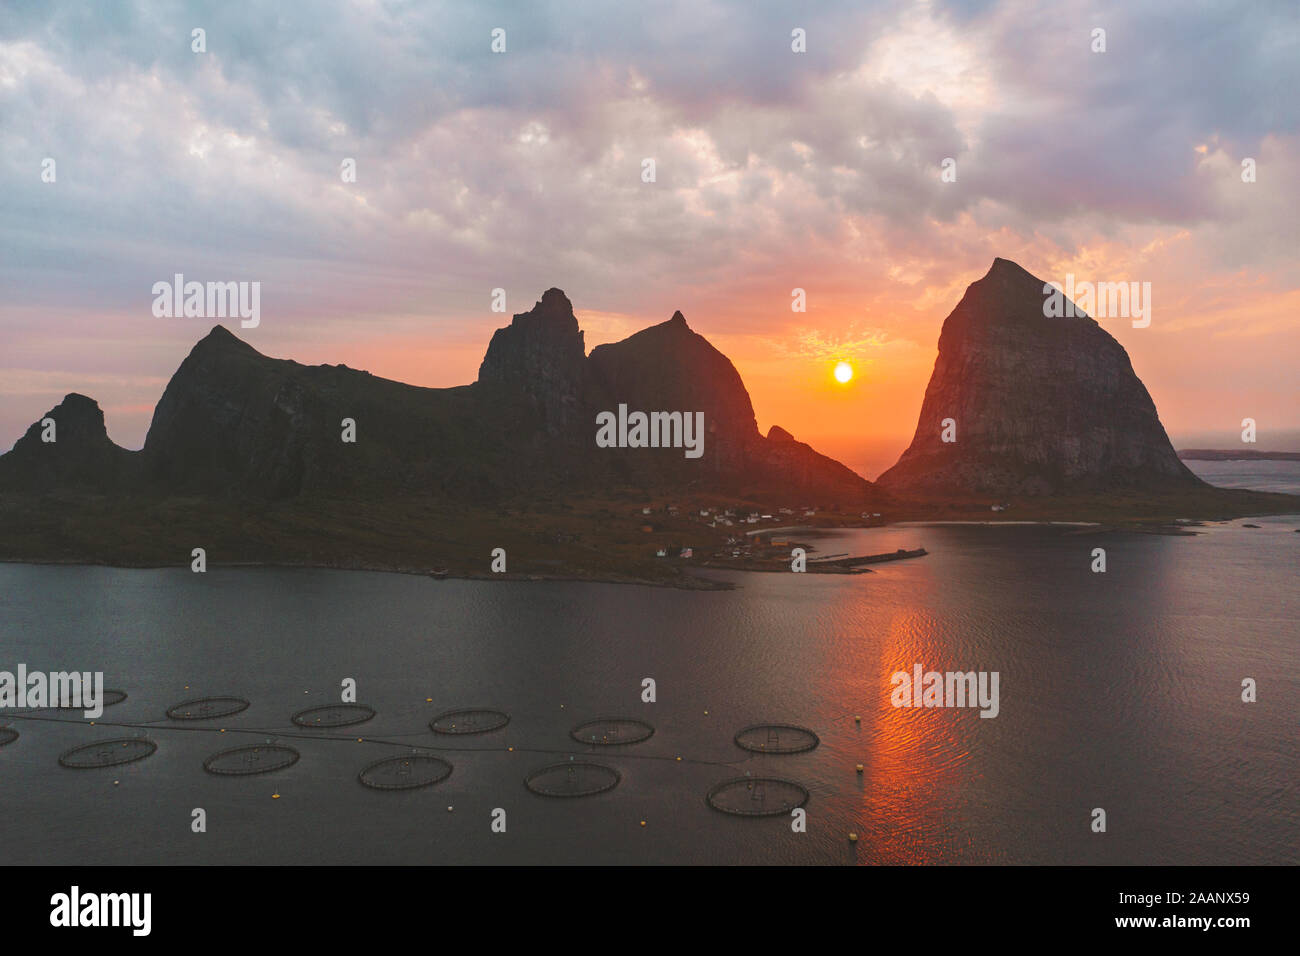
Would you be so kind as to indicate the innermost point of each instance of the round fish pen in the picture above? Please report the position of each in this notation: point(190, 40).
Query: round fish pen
point(333, 715)
point(405, 773)
point(776, 739)
point(207, 708)
point(612, 731)
point(757, 796)
point(107, 753)
point(572, 779)
point(245, 761)
point(473, 721)
point(111, 697)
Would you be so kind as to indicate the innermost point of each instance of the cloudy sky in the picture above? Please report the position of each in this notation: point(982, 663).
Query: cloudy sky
point(774, 170)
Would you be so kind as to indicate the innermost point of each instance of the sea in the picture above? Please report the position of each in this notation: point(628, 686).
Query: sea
point(1121, 734)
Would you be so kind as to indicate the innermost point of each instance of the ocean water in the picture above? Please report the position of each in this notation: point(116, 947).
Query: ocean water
point(1119, 691)
point(1283, 476)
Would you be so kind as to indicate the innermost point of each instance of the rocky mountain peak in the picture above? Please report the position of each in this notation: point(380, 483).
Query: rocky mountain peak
point(1036, 404)
point(541, 357)
point(80, 453)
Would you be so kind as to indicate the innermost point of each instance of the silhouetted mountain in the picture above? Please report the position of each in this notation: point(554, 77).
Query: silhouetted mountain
point(233, 423)
point(80, 457)
point(1041, 405)
point(540, 357)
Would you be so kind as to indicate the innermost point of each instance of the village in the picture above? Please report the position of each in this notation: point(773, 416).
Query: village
point(745, 538)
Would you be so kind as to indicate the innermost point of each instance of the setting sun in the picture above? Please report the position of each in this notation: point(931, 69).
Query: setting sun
point(843, 372)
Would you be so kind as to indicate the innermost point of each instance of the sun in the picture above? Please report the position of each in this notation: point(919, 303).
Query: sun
point(844, 373)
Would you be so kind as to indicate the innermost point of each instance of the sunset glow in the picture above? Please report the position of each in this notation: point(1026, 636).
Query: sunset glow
point(819, 172)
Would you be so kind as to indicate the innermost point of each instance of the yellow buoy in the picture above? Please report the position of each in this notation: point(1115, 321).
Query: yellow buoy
point(853, 838)
point(511, 749)
point(449, 809)
point(859, 768)
point(642, 823)
point(679, 759)
point(428, 700)
point(706, 713)
point(857, 720)
point(275, 796)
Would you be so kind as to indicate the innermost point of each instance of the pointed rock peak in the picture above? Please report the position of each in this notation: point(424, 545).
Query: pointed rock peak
point(78, 408)
point(777, 433)
point(674, 328)
point(1010, 275)
point(542, 348)
point(221, 337)
point(78, 402)
point(1004, 270)
point(79, 419)
point(556, 300)
point(553, 312)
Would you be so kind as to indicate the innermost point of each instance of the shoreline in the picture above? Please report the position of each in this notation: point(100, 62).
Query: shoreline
point(686, 579)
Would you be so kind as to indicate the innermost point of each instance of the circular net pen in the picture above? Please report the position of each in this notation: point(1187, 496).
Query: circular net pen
point(405, 773)
point(111, 697)
point(107, 753)
point(757, 796)
point(572, 779)
point(469, 721)
point(334, 715)
point(245, 761)
point(612, 731)
point(7, 735)
point(207, 708)
point(776, 739)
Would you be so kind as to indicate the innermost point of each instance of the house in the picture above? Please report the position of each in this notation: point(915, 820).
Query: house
point(661, 553)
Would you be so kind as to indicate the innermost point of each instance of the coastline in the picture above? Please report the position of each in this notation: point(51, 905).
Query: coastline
point(673, 575)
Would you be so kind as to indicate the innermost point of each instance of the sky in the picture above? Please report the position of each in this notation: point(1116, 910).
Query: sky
point(774, 170)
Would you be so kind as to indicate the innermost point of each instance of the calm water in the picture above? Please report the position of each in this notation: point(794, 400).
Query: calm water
point(1281, 476)
point(1118, 690)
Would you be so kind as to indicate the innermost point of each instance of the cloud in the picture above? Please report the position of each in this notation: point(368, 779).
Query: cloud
point(522, 170)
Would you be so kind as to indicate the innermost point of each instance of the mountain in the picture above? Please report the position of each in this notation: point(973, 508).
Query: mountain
point(79, 457)
point(1041, 405)
point(234, 424)
point(671, 367)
